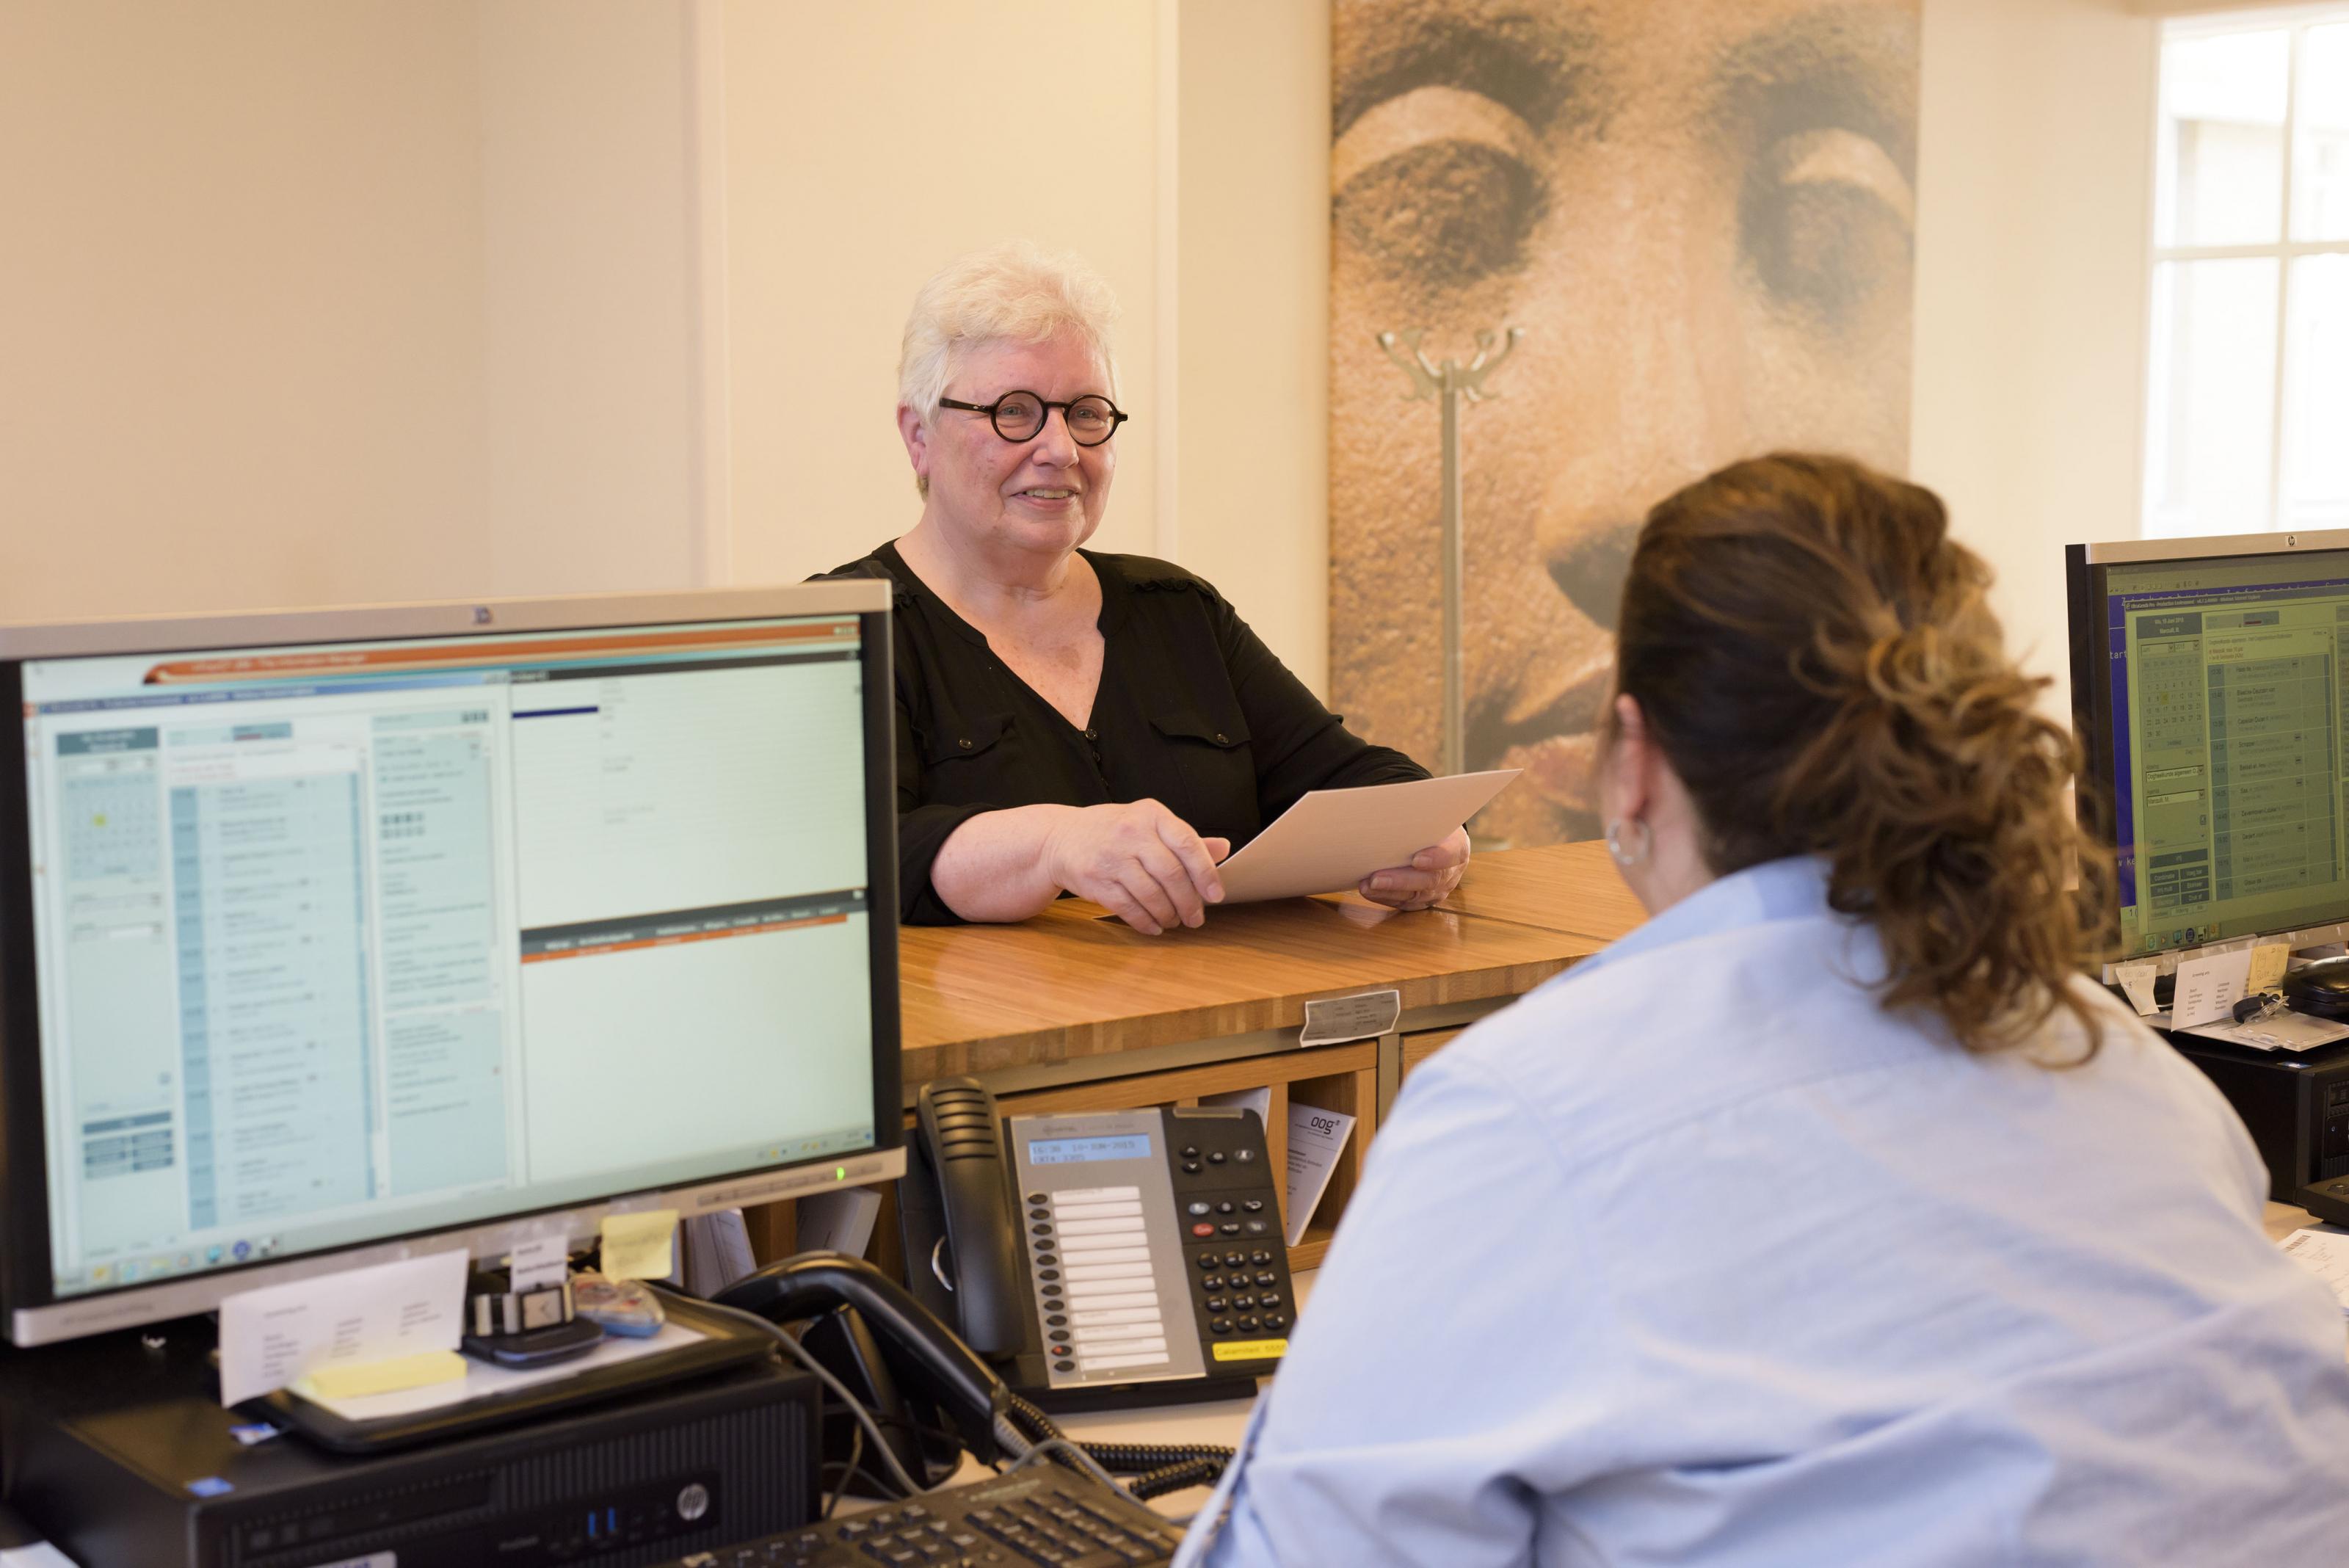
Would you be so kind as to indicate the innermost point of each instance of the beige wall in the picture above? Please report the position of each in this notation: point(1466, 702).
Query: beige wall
point(867, 145)
point(2034, 199)
point(396, 298)
point(312, 303)
point(1255, 316)
point(240, 305)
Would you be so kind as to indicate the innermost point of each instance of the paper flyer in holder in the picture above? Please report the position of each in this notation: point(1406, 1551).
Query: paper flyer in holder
point(1333, 839)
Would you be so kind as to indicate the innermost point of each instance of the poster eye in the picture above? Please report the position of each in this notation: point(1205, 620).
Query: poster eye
point(1827, 223)
point(1445, 213)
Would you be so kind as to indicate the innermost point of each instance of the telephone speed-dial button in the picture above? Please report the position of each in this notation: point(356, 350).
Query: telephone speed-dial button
point(1056, 1320)
point(1047, 1273)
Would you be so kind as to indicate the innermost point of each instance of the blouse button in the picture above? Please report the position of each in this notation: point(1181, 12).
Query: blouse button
point(1093, 734)
point(966, 746)
point(1219, 739)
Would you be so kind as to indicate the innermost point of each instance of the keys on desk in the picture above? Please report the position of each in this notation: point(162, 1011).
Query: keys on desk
point(1045, 1515)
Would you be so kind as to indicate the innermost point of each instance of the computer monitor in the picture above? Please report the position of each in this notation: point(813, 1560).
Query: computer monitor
point(2206, 683)
point(329, 937)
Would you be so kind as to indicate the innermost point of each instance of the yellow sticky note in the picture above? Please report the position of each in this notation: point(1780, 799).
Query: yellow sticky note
point(2268, 963)
point(636, 1246)
point(361, 1378)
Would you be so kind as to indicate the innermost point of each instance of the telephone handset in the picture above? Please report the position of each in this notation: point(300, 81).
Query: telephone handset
point(1099, 1258)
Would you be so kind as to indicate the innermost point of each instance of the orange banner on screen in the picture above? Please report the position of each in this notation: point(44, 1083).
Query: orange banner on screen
point(441, 655)
point(589, 950)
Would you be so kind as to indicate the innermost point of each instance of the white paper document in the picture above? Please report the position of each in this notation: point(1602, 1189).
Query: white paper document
point(2325, 1255)
point(271, 1337)
point(1258, 1099)
point(840, 1221)
point(2208, 986)
point(2137, 984)
point(1316, 1138)
point(2285, 1032)
point(1333, 839)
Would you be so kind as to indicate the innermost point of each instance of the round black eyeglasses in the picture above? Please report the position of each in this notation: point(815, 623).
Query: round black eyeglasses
point(1021, 416)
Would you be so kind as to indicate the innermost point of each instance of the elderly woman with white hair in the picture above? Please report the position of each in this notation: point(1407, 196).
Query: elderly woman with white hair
point(1069, 720)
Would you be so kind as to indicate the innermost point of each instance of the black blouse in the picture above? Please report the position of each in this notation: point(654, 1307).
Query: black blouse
point(1193, 711)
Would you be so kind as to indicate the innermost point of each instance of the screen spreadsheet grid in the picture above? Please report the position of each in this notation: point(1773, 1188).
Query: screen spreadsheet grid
point(2229, 750)
point(354, 940)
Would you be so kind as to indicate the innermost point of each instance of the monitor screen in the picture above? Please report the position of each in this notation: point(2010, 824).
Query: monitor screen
point(339, 940)
point(2212, 707)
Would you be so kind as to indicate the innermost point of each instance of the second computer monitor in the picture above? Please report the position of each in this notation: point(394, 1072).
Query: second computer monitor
point(2206, 676)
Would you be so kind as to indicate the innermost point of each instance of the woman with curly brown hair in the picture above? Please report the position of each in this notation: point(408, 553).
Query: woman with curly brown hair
point(1832, 1215)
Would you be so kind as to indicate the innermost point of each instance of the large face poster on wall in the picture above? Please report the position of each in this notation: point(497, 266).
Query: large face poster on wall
point(1701, 211)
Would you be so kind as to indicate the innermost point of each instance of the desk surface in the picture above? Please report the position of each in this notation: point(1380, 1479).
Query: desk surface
point(1566, 887)
point(1065, 985)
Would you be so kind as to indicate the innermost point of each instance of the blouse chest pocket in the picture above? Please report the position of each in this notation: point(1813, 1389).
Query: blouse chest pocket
point(963, 753)
point(1217, 769)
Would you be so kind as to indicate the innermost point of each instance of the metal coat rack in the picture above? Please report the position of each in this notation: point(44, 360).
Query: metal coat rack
point(1448, 383)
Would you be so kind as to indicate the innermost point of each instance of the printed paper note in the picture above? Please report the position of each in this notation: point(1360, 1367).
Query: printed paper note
point(1316, 1138)
point(1331, 1019)
point(2208, 986)
point(387, 1312)
point(2325, 1255)
point(539, 1264)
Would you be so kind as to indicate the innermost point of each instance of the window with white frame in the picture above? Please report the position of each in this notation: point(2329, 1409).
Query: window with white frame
point(2247, 424)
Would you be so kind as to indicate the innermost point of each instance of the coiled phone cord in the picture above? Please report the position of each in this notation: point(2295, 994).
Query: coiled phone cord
point(1156, 1468)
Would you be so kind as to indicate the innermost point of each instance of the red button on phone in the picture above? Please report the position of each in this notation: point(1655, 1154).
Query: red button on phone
point(1203, 1229)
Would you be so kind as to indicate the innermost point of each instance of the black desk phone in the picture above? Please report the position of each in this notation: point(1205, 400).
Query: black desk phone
point(1099, 1258)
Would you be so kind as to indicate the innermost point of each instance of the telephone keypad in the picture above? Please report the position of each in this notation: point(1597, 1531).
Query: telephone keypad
point(1233, 1286)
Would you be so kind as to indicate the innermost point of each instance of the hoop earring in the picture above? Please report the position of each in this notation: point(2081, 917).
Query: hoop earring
point(1628, 855)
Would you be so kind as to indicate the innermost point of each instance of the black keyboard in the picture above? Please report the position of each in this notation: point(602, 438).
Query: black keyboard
point(1042, 1515)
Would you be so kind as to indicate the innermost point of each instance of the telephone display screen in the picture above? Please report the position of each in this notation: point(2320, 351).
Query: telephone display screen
point(1077, 1150)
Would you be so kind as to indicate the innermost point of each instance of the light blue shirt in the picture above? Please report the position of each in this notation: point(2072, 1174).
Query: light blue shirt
point(1697, 1255)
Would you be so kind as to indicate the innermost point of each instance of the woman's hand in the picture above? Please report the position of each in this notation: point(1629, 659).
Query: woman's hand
point(1141, 862)
point(1432, 872)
